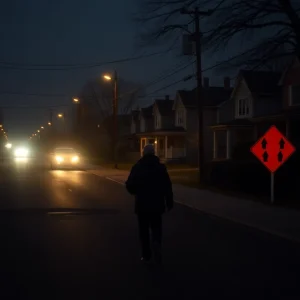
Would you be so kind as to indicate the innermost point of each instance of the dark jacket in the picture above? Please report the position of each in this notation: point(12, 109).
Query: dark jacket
point(149, 181)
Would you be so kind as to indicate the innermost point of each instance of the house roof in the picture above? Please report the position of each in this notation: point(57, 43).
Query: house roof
point(147, 112)
point(165, 107)
point(212, 96)
point(262, 83)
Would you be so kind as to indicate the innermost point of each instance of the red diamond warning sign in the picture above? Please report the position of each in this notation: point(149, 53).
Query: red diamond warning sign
point(273, 149)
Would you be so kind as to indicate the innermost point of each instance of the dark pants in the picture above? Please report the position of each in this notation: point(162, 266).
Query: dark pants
point(149, 222)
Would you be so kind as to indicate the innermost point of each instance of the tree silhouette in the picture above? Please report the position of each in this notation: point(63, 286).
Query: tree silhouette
point(259, 33)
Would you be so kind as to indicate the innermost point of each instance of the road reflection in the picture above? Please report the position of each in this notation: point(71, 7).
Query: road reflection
point(21, 160)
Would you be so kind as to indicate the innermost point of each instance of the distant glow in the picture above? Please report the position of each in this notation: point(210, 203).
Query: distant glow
point(8, 146)
point(76, 100)
point(0, 125)
point(60, 115)
point(107, 77)
point(42, 127)
point(59, 159)
point(38, 131)
point(21, 152)
point(75, 159)
point(49, 123)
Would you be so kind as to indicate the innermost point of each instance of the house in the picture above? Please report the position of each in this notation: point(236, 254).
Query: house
point(173, 125)
point(161, 130)
point(254, 105)
point(290, 83)
point(186, 116)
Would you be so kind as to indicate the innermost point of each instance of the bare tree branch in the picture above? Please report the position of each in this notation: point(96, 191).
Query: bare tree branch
point(268, 26)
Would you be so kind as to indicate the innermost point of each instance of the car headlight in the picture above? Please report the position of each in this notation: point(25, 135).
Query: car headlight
point(59, 158)
point(75, 159)
point(21, 152)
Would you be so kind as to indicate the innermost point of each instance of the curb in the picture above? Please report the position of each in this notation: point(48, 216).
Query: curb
point(243, 223)
point(265, 230)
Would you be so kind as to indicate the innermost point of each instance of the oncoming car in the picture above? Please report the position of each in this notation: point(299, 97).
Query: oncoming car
point(65, 158)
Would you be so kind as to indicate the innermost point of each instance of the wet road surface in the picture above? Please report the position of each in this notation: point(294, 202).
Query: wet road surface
point(73, 235)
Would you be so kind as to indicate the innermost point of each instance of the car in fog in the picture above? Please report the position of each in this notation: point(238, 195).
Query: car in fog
point(65, 158)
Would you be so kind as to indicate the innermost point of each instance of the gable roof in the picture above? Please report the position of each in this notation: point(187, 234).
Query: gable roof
point(165, 107)
point(147, 112)
point(262, 83)
point(212, 96)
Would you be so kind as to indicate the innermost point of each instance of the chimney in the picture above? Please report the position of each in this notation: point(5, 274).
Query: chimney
point(167, 97)
point(227, 82)
point(206, 82)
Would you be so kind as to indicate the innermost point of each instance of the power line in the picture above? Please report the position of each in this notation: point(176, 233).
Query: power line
point(34, 106)
point(184, 79)
point(159, 78)
point(32, 94)
point(16, 66)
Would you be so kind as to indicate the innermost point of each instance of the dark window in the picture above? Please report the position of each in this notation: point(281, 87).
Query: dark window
point(295, 94)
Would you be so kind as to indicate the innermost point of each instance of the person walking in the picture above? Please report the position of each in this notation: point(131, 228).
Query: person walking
point(150, 183)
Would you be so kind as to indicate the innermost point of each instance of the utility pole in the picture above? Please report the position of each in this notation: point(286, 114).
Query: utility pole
point(115, 118)
point(197, 39)
point(50, 116)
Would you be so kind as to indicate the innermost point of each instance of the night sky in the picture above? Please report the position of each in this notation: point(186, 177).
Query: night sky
point(57, 32)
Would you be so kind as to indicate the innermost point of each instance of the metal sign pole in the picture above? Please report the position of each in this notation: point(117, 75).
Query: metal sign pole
point(272, 188)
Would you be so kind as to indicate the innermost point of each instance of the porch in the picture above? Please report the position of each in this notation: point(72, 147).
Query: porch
point(233, 141)
point(167, 146)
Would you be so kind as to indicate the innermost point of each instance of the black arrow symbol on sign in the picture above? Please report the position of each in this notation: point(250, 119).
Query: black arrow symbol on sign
point(264, 143)
point(281, 143)
point(265, 156)
point(280, 156)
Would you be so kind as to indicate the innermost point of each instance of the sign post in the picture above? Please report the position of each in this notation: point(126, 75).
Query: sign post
point(273, 149)
point(272, 188)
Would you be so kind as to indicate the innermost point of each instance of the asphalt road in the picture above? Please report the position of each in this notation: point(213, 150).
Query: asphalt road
point(73, 235)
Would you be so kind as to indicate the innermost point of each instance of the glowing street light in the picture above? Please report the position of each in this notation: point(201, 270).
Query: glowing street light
point(107, 77)
point(38, 131)
point(42, 127)
point(60, 115)
point(49, 123)
point(114, 79)
point(75, 100)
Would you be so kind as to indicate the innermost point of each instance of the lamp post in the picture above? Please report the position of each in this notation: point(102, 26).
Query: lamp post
point(114, 79)
point(76, 114)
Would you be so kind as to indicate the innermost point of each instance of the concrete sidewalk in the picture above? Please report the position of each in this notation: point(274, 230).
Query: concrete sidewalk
point(271, 219)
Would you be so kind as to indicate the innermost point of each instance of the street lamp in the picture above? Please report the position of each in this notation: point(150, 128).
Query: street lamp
point(49, 123)
point(114, 79)
point(62, 116)
point(42, 127)
point(75, 100)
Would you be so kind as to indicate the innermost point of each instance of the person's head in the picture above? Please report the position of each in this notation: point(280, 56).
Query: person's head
point(148, 150)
